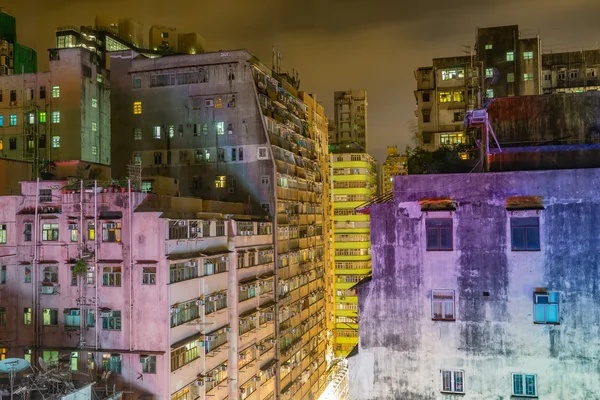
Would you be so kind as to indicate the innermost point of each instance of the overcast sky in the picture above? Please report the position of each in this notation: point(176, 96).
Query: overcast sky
point(334, 44)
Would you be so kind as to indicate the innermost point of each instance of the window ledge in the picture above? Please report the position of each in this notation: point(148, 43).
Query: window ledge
point(526, 251)
point(444, 320)
point(546, 323)
point(440, 249)
point(459, 393)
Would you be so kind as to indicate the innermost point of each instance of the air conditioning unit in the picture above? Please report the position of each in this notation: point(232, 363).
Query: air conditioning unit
point(208, 379)
point(261, 347)
point(47, 289)
point(211, 298)
point(244, 288)
point(272, 341)
point(242, 356)
point(257, 379)
point(199, 302)
point(200, 383)
point(209, 103)
point(223, 368)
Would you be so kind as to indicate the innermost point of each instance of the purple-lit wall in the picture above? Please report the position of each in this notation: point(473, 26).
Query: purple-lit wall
point(402, 350)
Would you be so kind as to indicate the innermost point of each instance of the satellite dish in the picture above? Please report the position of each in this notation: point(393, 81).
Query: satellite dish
point(42, 364)
point(13, 365)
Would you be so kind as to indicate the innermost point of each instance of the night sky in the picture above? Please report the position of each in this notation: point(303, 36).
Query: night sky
point(334, 44)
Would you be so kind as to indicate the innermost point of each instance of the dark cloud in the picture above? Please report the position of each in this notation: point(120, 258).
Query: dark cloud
point(335, 44)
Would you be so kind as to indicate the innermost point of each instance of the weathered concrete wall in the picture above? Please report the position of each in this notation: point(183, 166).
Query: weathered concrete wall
point(528, 120)
point(402, 350)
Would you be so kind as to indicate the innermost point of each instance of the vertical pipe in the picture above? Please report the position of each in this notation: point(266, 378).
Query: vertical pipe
point(96, 265)
point(34, 282)
point(82, 282)
point(131, 309)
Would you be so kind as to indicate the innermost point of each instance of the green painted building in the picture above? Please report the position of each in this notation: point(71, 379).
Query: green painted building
point(354, 183)
point(15, 58)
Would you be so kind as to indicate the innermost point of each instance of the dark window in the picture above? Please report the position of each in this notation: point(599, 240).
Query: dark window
point(220, 154)
point(241, 154)
point(12, 143)
point(0, 96)
point(427, 137)
point(233, 155)
point(525, 234)
point(42, 142)
point(426, 97)
point(426, 116)
point(13, 95)
point(458, 117)
point(27, 233)
point(42, 92)
point(439, 233)
point(157, 157)
point(87, 71)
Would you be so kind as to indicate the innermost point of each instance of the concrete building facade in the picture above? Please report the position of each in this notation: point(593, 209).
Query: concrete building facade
point(228, 128)
point(62, 114)
point(483, 287)
point(350, 108)
point(395, 164)
point(354, 174)
point(171, 295)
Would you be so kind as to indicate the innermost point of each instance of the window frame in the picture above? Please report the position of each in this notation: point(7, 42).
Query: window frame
point(443, 302)
point(524, 227)
point(50, 232)
point(148, 275)
point(553, 299)
point(113, 322)
point(523, 384)
point(453, 373)
point(439, 229)
point(112, 274)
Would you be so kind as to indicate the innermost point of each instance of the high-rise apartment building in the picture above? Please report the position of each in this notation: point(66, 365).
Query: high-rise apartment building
point(355, 181)
point(173, 296)
point(59, 115)
point(228, 128)
point(14, 57)
point(504, 64)
point(395, 164)
point(350, 118)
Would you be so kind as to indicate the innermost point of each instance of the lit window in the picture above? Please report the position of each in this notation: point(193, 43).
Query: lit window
point(112, 362)
point(3, 231)
point(525, 234)
point(524, 385)
point(72, 317)
point(1, 144)
point(458, 96)
point(488, 46)
point(55, 142)
point(148, 274)
point(528, 55)
point(50, 316)
point(489, 72)
point(157, 132)
point(27, 316)
point(527, 76)
point(171, 131)
point(95, 103)
point(220, 128)
point(91, 231)
point(453, 381)
point(31, 118)
point(137, 158)
point(94, 150)
point(137, 134)
point(445, 97)
point(442, 305)
point(1, 120)
point(452, 74)
point(55, 117)
point(13, 120)
point(220, 182)
point(42, 117)
point(111, 232)
point(137, 107)
point(99, 78)
point(510, 56)
point(55, 91)
point(50, 232)
point(489, 93)
point(545, 308)
point(94, 126)
point(510, 77)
